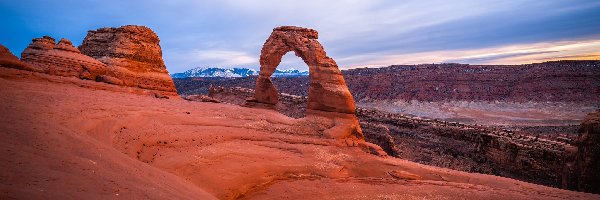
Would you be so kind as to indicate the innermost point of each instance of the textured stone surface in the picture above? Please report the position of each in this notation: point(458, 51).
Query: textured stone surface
point(133, 55)
point(327, 91)
point(572, 81)
point(328, 94)
point(61, 59)
point(63, 141)
point(583, 171)
point(471, 148)
point(7, 59)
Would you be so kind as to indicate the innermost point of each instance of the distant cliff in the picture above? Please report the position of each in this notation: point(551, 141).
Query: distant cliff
point(548, 81)
point(214, 72)
point(572, 81)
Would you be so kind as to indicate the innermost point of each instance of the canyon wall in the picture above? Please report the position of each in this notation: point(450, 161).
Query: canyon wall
point(568, 81)
point(581, 172)
point(548, 81)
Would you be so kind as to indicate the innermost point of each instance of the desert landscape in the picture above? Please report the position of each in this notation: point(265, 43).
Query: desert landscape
point(121, 112)
point(104, 121)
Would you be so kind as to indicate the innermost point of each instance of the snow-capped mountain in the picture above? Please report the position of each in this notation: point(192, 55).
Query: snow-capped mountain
point(234, 72)
point(289, 72)
point(215, 72)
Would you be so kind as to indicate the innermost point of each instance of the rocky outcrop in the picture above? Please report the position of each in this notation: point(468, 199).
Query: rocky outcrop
point(133, 55)
point(328, 95)
point(7, 59)
point(470, 148)
point(380, 135)
point(61, 59)
point(327, 91)
point(582, 172)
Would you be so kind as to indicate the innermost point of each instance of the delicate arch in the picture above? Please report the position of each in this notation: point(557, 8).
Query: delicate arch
point(327, 91)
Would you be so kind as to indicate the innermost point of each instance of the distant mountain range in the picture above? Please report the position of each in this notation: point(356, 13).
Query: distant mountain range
point(233, 72)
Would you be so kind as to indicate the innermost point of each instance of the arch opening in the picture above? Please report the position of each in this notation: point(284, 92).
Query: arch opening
point(291, 82)
point(327, 89)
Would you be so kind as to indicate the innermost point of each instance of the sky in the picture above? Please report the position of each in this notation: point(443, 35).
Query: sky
point(355, 33)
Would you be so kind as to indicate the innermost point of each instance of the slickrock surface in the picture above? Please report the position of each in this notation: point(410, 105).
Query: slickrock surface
point(61, 59)
point(7, 59)
point(64, 141)
point(133, 55)
point(328, 94)
point(471, 148)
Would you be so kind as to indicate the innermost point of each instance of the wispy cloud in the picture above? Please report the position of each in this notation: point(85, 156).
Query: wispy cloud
point(508, 54)
point(229, 33)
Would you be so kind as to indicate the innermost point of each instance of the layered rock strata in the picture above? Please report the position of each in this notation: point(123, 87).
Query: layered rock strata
point(557, 81)
point(471, 148)
point(61, 59)
point(564, 81)
point(328, 95)
point(133, 55)
point(327, 91)
point(581, 173)
point(7, 59)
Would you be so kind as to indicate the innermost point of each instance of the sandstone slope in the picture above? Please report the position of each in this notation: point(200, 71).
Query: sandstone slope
point(66, 141)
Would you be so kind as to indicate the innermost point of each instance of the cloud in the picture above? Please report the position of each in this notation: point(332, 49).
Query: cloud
point(353, 32)
point(507, 54)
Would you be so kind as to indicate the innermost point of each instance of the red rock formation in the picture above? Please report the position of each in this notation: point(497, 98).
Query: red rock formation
point(327, 91)
point(7, 59)
point(584, 174)
point(328, 95)
point(133, 55)
point(61, 59)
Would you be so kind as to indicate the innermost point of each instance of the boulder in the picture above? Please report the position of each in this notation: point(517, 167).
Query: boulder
point(61, 59)
point(133, 55)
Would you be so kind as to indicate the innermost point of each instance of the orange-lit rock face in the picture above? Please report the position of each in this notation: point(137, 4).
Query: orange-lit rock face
point(61, 59)
point(328, 95)
point(7, 59)
point(133, 54)
point(327, 92)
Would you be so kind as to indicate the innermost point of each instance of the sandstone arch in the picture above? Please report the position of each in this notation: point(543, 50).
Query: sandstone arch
point(327, 91)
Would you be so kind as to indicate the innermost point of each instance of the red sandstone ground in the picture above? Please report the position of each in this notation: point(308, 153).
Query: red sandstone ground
point(65, 138)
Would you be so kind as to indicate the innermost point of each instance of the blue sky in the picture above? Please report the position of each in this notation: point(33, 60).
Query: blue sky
point(230, 33)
